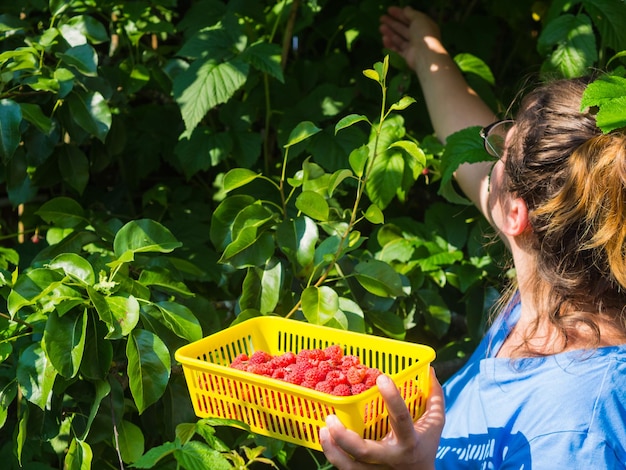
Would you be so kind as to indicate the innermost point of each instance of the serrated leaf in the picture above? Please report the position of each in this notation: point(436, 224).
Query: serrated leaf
point(608, 93)
point(148, 367)
point(196, 455)
point(608, 17)
point(379, 278)
point(155, 454)
point(10, 119)
point(204, 85)
point(464, 146)
point(319, 304)
point(301, 132)
point(265, 57)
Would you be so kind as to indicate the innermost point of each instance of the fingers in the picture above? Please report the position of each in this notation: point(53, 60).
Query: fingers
point(399, 416)
point(340, 444)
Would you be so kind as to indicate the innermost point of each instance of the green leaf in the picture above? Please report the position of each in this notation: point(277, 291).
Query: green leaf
point(238, 177)
point(33, 114)
point(313, 204)
point(374, 215)
point(130, 441)
point(372, 75)
point(297, 238)
point(204, 85)
point(379, 278)
point(349, 121)
point(10, 136)
point(91, 112)
point(177, 318)
point(575, 44)
point(224, 217)
point(464, 146)
point(404, 103)
point(319, 304)
point(74, 266)
point(83, 58)
point(608, 93)
point(389, 323)
point(32, 286)
point(63, 212)
point(336, 179)
point(385, 178)
point(98, 349)
point(301, 132)
point(437, 313)
point(358, 158)
point(35, 375)
point(7, 394)
point(196, 455)
point(79, 456)
point(87, 27)
point(143, 236)
point(607, 16)
point(412, 150)
point(469, 63)
point(148, 367)
point(155, 454)
point(102, 390)
point(262, 287)
point(120, 314)
point(266, 58)
point(74, 166)
point(249, 249)
point(64, 341)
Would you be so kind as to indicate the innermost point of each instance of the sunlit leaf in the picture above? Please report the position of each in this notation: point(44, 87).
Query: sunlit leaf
point(36, 375)
point(379, 278)
point(79, 455)
point(608, 93)
point(349, 121)
point(75, 266)
point(319, 304)
point(238, 177)
point(144, 235)
point(313, 204)
point(302, 131)
point(130, 441)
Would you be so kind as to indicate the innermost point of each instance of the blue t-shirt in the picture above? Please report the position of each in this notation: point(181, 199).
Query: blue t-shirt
point(564, 411)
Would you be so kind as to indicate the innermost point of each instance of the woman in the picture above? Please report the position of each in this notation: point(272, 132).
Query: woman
point(546, 388)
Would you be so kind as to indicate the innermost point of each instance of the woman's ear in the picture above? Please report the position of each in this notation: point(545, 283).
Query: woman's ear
point(516, 217)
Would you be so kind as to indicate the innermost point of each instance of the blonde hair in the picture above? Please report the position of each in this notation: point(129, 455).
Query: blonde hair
point(573, 180)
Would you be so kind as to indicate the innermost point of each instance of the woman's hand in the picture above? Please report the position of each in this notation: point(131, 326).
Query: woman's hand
point(409, 33)
point(408, 445)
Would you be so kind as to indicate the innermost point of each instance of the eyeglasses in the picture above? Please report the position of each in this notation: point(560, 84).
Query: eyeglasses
point(494, 136)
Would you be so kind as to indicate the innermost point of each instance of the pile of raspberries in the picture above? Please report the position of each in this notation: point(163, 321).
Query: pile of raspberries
point(325, 370)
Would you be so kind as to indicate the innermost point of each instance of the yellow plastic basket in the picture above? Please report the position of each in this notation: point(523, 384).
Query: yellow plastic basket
point(282, 410)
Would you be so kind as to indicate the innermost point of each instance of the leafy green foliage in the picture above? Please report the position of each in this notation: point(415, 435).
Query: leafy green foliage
point(170, 168)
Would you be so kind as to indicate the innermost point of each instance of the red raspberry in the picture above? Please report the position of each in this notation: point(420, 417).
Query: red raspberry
point(356, 374)
point(349, 361)
point(334, 353)
point(260, 357)
point(324, 386)
point(260, 369)
point(284, 360)
point(370, 376)
point(312, 356)
point(278, 374)
point(342, 390)
point(358, 388)
point(309, 383)
point(295, 373)
point(336, 377)
point(314, 375)
point(243, 357)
